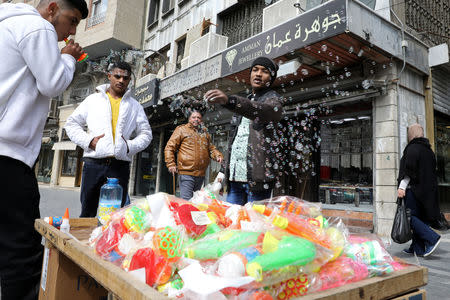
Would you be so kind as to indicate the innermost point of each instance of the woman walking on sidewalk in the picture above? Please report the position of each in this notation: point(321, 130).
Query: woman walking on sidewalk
point(418, 184)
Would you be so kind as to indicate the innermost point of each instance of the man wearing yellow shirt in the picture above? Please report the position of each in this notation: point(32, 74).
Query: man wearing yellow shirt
point(111, 115)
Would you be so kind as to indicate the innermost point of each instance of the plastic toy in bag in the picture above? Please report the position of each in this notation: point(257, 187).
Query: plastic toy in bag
point(157, 268)
point(341, 271)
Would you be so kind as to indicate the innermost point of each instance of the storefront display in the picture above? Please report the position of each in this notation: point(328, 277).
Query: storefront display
point(147, 165)
point(442, 140)
point(346, 161)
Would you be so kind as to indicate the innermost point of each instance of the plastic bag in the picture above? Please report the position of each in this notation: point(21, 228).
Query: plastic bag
point(401, 229)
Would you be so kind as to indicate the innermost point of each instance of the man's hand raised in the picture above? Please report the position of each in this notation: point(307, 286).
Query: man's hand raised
point(73, 49)
point(216, 97)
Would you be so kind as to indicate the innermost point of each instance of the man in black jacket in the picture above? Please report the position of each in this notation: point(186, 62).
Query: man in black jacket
point(249, 166)
point(417, 182)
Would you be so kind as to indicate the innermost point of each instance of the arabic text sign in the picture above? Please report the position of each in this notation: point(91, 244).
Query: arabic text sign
point(312, 26)
point(147, 94)
point(201, 73)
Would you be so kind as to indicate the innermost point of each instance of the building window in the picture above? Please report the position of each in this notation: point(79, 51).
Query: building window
point(243, 21)
point(153, 13)
point(98, 12)
point(167, 7)
point(429, 17)
point(69, 163)
point(156, 61)
point(181, 45)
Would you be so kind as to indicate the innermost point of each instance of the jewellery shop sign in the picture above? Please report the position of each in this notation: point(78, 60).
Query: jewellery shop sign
point(148, 93)
point(318, 24)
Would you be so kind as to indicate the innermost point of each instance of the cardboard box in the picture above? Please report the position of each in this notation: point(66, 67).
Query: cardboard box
point(63, 279)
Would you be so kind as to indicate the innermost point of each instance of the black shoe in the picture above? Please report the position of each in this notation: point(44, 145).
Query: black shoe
point(430, 249)
point(409, 251)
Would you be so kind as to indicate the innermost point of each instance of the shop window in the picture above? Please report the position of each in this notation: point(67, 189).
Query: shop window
point(153, 13)
point(219, 138)
point(45, 161)
point(346, 161)
point(69, 163)
point(442, 140)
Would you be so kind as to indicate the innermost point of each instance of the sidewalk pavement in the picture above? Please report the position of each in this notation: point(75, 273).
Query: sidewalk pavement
point(438, 263)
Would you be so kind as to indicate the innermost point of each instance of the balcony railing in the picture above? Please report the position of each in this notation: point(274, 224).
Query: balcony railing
point(97, 19)
point(429, 17)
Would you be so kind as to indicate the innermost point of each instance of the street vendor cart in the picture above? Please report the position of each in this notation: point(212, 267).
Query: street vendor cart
point(71, 266)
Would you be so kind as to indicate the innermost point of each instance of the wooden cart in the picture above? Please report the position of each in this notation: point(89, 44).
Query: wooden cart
point(122, 285)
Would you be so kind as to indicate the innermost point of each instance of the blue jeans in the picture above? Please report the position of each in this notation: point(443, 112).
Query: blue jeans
point(240, 193)
point(423, 235)
point(94, 176)
point(189, 184)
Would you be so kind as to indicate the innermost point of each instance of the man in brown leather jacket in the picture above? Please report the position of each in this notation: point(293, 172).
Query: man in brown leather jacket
point(194, 148)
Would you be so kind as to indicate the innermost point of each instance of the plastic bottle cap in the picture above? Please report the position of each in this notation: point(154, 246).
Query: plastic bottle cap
point(113, 180)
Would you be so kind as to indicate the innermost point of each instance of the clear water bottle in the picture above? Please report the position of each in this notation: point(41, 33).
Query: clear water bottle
point(110, 199)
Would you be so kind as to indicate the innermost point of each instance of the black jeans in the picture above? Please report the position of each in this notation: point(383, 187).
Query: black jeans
point(95, 173)
point(423, 235)
point(20, 245)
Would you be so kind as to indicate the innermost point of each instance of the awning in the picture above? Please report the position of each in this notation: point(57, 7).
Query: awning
point(66, 145)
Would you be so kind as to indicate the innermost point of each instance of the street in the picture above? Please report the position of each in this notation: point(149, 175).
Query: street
point(55, 200)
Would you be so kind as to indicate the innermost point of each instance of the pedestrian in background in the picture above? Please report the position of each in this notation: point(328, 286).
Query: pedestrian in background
point(33, 70)
point(249, 166)
point(193, 148)
point(111, 115)
point(417, 182)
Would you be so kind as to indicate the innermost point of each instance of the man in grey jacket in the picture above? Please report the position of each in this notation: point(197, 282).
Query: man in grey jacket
point(33, 70)
point(249, 167)
point(111, 115)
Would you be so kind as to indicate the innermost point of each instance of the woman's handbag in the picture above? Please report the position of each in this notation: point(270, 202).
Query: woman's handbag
point(401, 229)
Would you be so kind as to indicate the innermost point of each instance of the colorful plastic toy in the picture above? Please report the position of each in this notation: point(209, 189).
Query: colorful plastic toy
point(83, 55)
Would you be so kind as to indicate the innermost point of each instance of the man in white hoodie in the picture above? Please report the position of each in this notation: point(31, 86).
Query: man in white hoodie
point(112, 116)
point(33, 70)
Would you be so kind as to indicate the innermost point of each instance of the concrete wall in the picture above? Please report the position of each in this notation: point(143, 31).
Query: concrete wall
point(123, 21)
point(129, 19)
point(401, 106)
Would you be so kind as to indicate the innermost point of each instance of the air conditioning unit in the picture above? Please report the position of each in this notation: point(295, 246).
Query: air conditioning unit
point(145, 79)
point(282, 11)
point(205, 46)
